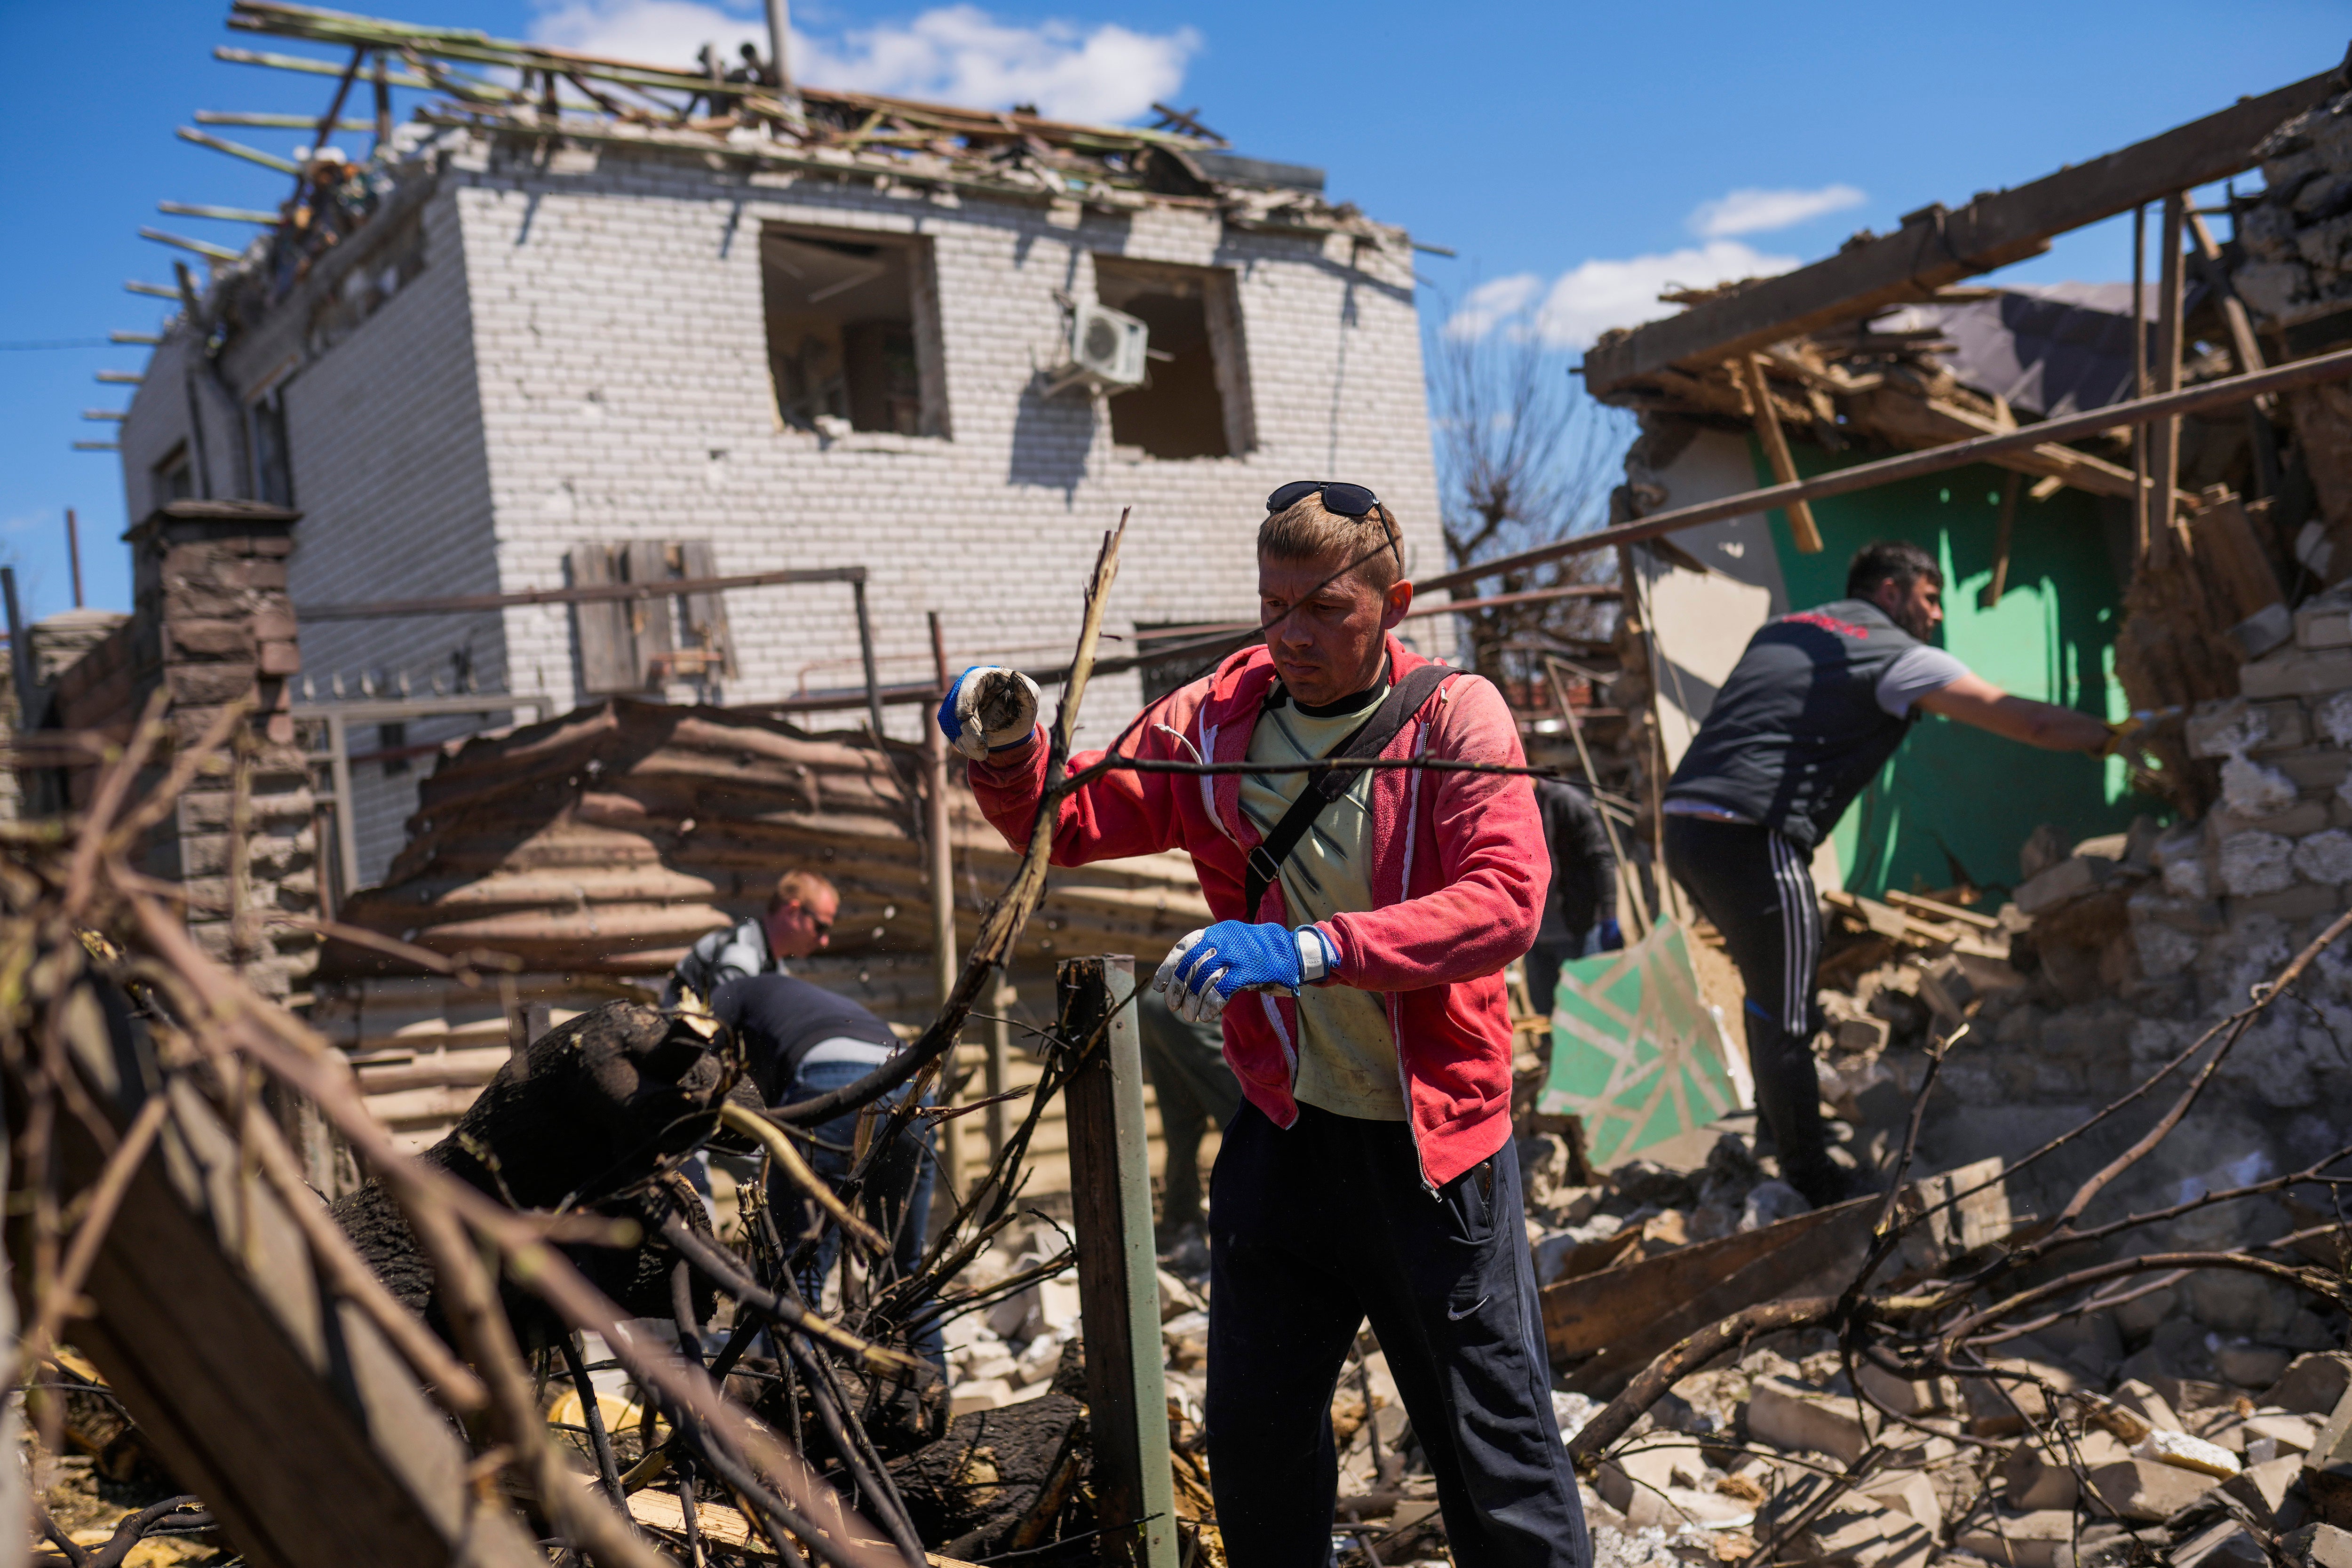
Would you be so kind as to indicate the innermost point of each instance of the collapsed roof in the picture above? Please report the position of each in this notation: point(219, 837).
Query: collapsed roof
point(549, 96)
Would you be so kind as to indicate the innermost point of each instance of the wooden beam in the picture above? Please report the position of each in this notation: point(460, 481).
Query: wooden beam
point(2164, 435)
point(1776, 452)
point(2003, 532)
point(279, 1403)
point(2229, 392)
point(2139, 380)
point(1119, 1276)
point(2244, 350)
point(1936, 247)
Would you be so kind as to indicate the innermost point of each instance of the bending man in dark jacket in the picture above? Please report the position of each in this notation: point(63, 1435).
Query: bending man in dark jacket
point(800, 1041)
point(1813, 710)
point(1581, 912)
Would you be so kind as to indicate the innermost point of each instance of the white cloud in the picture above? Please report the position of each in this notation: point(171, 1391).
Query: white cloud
point(1762, 211)
point(954, 54)
point(1586, 301)
point(1491, 304)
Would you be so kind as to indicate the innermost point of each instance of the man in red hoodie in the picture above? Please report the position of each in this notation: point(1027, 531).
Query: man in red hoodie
point(1357, 965)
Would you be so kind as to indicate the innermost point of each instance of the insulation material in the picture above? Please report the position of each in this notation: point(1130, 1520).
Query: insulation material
point(2251, 790)
point(1636, 1051)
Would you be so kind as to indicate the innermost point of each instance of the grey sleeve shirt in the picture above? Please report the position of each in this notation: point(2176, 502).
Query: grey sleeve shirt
point(1921, 670)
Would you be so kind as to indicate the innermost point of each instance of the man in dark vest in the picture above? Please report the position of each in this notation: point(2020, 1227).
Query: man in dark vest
point(1813, 710)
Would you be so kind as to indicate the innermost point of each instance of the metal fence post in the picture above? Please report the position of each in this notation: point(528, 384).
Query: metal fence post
point(1118, 1271)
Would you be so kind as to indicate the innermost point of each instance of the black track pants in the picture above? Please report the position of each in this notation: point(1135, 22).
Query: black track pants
point(1312, 1230)
point(1757, 889)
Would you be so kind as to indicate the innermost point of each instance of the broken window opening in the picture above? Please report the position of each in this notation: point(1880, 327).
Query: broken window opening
point(642, 646)
point(174, 478)
point(273, 465)
point(848, 339)
point(1195, 404)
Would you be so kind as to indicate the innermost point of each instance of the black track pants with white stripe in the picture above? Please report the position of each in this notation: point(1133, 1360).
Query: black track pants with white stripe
point(1757, 889)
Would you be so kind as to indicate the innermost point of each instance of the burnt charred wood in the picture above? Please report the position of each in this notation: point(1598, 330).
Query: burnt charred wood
point(590, 1115)
point(978, 1485)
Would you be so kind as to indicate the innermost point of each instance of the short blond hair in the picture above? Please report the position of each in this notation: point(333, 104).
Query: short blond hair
point(797, 887)
point(1372, 545)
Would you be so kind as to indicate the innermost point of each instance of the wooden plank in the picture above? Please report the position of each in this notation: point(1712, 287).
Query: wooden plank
point(652, 621)
point(1935, 247)
point(1118, 1279)
point(1624, 1318)
point(725, 1526)
point(2004, 532)
point(281, 1406)
point(606, 645)
point(706, 613)
point(1585, 1316)
point(2164, 435)
point(1776, 451)
point(1941, 911)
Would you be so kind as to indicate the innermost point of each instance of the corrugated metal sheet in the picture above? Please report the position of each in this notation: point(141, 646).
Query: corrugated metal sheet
point(604, 842)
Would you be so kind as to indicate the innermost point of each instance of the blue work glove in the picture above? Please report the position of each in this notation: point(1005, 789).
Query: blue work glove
point(989, 709)
point(1612, 936)
point(1201, 972)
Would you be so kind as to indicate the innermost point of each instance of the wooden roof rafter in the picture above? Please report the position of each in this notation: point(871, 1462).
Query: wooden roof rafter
point(1937, 246)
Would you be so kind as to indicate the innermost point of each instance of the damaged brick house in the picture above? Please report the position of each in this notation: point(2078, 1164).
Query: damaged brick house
point(575, 342)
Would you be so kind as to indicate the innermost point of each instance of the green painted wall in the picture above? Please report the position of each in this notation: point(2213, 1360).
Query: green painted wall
point(1955, 800)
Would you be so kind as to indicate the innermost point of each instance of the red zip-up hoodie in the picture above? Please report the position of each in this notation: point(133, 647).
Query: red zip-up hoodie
point(1458, 876)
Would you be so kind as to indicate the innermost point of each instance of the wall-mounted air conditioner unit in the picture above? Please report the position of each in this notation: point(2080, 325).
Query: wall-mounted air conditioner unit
point(1107, 349)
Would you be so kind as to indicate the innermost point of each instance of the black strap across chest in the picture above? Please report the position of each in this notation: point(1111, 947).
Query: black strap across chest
point(1328, 783)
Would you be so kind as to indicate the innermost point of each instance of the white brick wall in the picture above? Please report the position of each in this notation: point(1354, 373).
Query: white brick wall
point(584, 359)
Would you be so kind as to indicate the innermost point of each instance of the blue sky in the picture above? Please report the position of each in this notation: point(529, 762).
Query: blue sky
point(1614, 146)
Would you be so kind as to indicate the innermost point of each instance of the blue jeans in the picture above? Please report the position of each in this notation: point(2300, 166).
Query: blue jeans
point(897, 1199)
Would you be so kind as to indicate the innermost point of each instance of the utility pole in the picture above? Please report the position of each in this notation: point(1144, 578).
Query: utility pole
point(73, 553)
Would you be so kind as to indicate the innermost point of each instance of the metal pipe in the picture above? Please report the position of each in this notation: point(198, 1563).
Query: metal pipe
point(347, 833)
point(587, 594)
point(2221, 394)
point(866, 653)
point(780, 44)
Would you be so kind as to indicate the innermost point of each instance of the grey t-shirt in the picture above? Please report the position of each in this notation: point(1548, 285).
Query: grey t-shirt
point(1914, 675)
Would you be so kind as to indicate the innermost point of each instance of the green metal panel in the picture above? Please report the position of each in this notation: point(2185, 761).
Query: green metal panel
point(1955, 802)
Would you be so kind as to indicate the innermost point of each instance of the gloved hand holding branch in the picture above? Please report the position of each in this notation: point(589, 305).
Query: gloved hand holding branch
point(989, 709)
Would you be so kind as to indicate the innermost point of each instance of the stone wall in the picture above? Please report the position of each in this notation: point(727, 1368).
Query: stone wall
point(214, 626)
point(2140, 943)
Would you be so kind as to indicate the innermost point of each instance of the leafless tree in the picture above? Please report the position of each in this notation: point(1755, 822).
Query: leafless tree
point(1524, 457)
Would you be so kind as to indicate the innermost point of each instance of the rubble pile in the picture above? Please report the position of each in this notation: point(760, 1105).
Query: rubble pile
point(2054, 1465)
point(1641, 1210)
